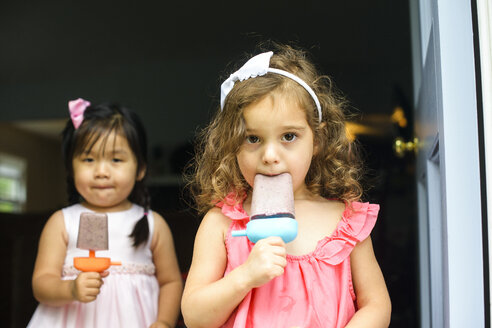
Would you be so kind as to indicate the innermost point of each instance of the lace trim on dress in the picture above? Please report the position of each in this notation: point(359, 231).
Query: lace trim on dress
point(127, 268)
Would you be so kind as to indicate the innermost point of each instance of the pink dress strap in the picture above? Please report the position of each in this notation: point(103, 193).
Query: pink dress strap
point(355, 226)
point(233, 208)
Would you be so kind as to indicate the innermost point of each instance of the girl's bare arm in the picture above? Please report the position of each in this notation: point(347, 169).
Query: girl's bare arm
point(167, 273)
point(374, 305)
point(209, 298)
point(47, 285)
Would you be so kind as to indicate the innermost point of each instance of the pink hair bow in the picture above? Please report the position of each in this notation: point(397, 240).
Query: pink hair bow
point(77, 108)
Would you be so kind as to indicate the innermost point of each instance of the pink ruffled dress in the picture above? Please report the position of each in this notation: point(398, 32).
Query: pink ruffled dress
point(316, 289)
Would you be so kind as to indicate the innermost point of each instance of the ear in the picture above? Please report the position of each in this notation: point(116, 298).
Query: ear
point(141, 173)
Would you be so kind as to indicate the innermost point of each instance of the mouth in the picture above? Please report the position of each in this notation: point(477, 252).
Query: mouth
point(102, 187)
point(272, 174)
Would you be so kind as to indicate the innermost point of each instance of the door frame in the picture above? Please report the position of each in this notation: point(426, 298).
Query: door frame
point(450, 232)
point(483, 29)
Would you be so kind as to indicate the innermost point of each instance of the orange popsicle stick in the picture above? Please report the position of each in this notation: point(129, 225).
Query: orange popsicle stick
point(93, 263)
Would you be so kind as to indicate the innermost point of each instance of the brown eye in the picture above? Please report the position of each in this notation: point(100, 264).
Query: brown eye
point(289, 137)
point(252, 139)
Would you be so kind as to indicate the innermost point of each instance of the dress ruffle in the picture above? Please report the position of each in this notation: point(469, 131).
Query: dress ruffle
point(355, 226)
point(233, 208)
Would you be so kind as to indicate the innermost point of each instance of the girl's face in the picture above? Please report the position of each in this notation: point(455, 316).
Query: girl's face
point(278, 139)
point(105, 175)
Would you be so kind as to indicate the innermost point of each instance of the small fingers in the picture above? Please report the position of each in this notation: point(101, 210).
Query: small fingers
point(104, 274)
point(273, 240)
point(273, 246)
point(280, 261)
point(91, 275)
point(279, 251)
point(87, 286)
point(89, 294)
point(93, 284)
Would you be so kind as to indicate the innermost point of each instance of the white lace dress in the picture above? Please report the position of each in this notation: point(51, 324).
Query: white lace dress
point(129, 296)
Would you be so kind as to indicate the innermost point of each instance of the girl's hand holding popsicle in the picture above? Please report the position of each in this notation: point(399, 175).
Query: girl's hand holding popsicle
point(87, 286)
point(93, 235)
point(266, 261)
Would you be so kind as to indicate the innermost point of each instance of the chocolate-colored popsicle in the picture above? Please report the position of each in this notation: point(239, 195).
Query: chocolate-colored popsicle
point(93, 231)
point(273, 196)
point(272, 209)
point(93, 236)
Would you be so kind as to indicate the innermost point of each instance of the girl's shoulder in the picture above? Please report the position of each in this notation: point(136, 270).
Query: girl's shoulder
point(358, 220)
point(233, 208)
point(216, 216)
point(56, 218)
point(159, 223)
point(55, 225)
point(355, 218)
point(214, 222)
point(161, 230)
point(362, 210)
point(57, 215)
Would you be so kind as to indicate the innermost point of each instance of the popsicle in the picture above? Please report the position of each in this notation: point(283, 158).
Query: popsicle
point(272, 209)
point(93, 236)
point(93, 231)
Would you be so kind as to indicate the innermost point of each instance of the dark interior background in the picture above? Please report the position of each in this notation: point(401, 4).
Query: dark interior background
point(166, 61)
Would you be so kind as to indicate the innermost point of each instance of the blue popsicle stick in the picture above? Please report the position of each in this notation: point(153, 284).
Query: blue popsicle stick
point(284, 227)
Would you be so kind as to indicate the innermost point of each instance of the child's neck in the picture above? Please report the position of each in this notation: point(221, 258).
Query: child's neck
point(123, 206)
point(303, 193)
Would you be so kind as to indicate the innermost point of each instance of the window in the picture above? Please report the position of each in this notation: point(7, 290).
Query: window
point(12, 183)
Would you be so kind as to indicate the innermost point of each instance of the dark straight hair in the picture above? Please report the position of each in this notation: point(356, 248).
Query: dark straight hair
point(99, 122)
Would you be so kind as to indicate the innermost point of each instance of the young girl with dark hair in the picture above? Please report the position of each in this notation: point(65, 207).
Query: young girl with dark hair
point(105, 155)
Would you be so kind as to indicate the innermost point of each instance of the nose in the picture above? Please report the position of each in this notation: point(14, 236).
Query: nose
point(101, 170)
point(270, 154)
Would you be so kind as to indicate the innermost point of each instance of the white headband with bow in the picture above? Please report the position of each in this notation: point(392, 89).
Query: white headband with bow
point(258, 66)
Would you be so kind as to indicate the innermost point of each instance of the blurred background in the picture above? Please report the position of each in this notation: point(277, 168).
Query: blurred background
point(166, 61)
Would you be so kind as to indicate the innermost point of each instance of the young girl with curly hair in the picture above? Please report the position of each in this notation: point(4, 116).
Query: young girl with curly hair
point(278, 115)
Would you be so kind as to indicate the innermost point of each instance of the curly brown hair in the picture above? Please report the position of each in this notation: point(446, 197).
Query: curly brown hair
point(335, 168)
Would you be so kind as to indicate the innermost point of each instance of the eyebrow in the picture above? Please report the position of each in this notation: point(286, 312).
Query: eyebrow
point(294, 127)
point(116, 151)
point(287, 127)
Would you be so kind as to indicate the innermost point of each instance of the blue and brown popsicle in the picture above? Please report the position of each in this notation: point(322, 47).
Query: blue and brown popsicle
point(272, 209)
